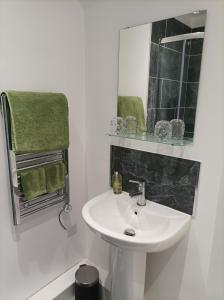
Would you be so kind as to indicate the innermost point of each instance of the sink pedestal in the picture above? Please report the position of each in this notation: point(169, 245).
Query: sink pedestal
point(128, 274)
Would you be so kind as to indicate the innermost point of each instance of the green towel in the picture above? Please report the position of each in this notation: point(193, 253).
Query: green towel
point(55, 177)
point(132, 106)
point(33, 182)
point(39, 121)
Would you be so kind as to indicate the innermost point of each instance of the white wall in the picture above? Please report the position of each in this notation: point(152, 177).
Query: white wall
point(134, 55)
point(42, 48)
point(193, 270)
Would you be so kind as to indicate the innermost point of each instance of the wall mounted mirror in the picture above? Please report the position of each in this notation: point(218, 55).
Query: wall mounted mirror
point(159, 67)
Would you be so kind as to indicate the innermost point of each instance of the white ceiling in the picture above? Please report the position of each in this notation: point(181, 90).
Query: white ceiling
point(193, 20)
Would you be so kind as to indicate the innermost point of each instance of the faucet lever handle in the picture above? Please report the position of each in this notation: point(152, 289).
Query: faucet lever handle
point(141, 184)
point(134, 181)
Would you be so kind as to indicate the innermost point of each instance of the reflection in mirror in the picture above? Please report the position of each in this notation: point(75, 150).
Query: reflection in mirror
point(159, 71)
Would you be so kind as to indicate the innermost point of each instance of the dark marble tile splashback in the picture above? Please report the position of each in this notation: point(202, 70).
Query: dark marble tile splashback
point(169, 181)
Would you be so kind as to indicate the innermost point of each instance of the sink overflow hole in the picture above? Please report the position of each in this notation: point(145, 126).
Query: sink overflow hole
point(129, 232)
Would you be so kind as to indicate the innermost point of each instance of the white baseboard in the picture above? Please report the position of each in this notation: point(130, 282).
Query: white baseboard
point(57, 286)
point(64, 281)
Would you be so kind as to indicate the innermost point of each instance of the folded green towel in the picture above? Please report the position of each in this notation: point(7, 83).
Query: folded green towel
point(132, 106)
point(33, 182)
point(55, 177)
point(39, 121)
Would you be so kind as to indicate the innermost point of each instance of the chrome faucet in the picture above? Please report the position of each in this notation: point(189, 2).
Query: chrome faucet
point(141, 192)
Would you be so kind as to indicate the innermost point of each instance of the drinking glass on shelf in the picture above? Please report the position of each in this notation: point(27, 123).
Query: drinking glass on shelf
point(130, 125)
point(117, 126)
point(177, 129)
point(163, 130)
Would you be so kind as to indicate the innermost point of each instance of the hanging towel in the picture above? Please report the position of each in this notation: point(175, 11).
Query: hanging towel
point(132, 106)
point(39, 121)
point(55, 177)
point(33, 182)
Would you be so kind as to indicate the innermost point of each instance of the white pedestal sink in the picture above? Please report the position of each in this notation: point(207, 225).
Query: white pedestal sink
point(154, 227)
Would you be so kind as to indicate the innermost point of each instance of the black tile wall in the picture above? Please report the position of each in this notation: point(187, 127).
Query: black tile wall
point(189, 117)
point(165, 68)
point(169, 93)
point(169, 181)
point(181, 111)
point(175, 27)
point(154, 59)
point(194, 68)
point(170, 62)
point(152, 92)
point(151, 119)
point(188, 134)
point(165, 114)
point(177, 46)
point(188, 47)
point(192, 94)
point(199, 29)
point(158, 31)
point(183, 94)
point(186, 64)
point(196, 46)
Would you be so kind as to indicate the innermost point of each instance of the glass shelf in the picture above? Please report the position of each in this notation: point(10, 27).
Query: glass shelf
point(152, 139)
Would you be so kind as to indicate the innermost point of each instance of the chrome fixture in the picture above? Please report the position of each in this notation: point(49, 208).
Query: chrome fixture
point(182, 37)
point(141, 192)
point(129, 232)
point(196, 12)
point(18, 162)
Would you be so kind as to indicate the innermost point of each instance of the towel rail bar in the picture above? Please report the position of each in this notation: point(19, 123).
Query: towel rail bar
point(42, 208)
point(21, 168)
point(38, 200)
point(42, 203)
point(26, 156)
point(31, 159)
point(18, 162)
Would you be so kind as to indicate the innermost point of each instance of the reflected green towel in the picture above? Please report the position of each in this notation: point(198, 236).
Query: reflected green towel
point(39, 121)
point(55, 177)
point(33, 182)
point(132, 106)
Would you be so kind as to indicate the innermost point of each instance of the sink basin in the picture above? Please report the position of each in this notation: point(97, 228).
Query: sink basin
point(152, 228)
point(155, 227)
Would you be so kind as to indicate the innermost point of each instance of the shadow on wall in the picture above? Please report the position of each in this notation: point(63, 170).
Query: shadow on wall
point(156, 263)
point(165, 272)
point(216, 269)
point(37, 253)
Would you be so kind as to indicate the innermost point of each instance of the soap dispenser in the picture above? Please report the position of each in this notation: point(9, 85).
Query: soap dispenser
point(117, 183)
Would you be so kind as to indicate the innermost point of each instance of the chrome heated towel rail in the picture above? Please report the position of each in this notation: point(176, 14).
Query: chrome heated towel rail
point(17, 162)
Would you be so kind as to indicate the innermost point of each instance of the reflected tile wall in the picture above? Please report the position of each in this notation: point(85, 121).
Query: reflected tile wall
point(165, 114)
point(192, 94)
point(194, 68)
point(164, 79)
point(158, 31)
point(169, 93)
point(152, 92)
point(169, 181)
point(192, 83)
